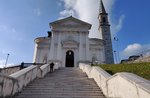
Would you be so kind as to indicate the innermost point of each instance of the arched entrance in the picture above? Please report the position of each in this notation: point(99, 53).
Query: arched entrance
point(69, 58)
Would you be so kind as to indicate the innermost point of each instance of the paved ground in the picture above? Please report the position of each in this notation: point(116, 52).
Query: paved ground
point(63, 83)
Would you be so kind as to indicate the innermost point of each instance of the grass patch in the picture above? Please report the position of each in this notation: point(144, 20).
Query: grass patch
point(140, 69)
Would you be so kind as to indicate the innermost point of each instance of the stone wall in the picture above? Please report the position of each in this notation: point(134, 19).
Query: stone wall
point(14, 83)
point(120, 85)
point(10, 70)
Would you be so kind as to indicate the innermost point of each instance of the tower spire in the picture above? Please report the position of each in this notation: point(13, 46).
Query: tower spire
point(102, 8)
point(104, 29)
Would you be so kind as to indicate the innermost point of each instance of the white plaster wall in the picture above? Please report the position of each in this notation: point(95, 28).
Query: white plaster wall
point(82, 66)
point(40, 55)
point(70, 28)
point(63, 57)
point(100, 77)
point(120, 85)
point(75, 35)
point(24, 76)
point(55, 52)
point(42, 52)
point(10, 85)
point(7, 86)
point(35, 53)
point(41, 49)
point(84, 53)
point(74, 31)
point(128, 85)
point(44, 69)
point(97, 52)
point(16, 81)
point(88, 69)
point(55, 36)
point(84, 37)
point(8, 71)
point(76, 57)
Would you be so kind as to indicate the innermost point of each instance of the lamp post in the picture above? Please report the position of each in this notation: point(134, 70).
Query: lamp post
point(6, 59)
point(115, 55)
point(117, 51)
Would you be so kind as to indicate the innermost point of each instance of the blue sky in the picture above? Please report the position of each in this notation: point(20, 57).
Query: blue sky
point(21, 21)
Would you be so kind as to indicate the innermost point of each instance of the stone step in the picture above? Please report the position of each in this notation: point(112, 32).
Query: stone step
point(58, 95)
point(63, 83)
point(62, 87)
point(62, 95)
point(62, 90)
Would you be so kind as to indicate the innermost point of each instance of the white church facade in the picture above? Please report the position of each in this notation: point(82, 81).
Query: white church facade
point(68, 43)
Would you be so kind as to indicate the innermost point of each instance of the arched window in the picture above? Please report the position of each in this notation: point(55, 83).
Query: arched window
point(104, 20)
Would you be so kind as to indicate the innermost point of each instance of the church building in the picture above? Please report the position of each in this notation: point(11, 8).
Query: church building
point(68, 42)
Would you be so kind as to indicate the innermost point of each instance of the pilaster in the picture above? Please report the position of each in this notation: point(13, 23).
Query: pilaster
point(80, 47)
point(51, 53)
point(87, 47)
point(35, 53)
point(59, 47)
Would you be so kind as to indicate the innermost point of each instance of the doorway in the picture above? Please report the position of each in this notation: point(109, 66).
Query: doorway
point(69, 58)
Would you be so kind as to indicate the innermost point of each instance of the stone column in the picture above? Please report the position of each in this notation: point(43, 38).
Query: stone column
point(35, 52)
point(87, 47)
point(59, 54)
point(80, 47)
point(38, 54)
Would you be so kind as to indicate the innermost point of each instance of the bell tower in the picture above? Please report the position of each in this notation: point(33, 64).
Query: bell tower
point(104, 29)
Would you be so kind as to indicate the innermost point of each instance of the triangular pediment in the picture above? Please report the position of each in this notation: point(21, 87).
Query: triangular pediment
point(70, 42)
point(70, 21)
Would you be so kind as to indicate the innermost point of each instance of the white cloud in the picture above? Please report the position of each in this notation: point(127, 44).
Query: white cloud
point(134, 49)
point(37, 11)
point(67, 13)
point(2, 63)
point(87, 10)
point(117, 25)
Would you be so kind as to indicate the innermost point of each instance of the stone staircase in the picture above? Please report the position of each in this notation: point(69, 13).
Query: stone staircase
point(63, 83)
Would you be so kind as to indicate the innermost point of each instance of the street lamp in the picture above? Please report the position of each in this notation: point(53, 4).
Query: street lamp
point(6, 59)
point(117, 51)
point(115, 55)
